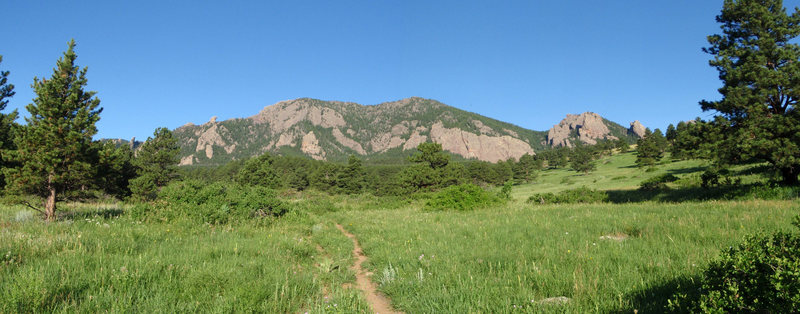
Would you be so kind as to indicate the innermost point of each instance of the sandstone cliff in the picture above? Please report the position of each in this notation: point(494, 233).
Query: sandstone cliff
point(332, 130)
point(587, 128)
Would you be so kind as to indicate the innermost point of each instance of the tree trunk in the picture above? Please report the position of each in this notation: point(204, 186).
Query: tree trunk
point(790, 175)
point(50, 206)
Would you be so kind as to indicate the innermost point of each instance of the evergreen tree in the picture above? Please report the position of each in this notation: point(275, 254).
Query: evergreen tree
point(324, 177)
point(54, 148)
point(757, 58)
point(526, 169)
point(432, 154)
point(7, 123)
point(671, 135)
point(351, 179)
point(260, 171)
point(582, 160)
point(114, 169)
point(650, 148)
point(6, 89)
point(156, 162)
point(622, 145)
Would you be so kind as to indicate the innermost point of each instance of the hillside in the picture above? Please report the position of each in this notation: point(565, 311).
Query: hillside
point(332, 130)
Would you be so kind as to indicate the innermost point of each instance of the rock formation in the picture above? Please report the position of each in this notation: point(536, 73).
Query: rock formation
point(587, 127)
point(637, 128)
point(332, 130)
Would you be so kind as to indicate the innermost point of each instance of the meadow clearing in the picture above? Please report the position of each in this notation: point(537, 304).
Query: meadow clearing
point(515, 257)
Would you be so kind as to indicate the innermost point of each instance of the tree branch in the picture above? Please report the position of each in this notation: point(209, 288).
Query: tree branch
point(31, 207)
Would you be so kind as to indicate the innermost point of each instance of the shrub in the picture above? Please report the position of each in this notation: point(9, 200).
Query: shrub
point(718, 176)
point(461, 197)
point(505, 192)
point(762, 274)
point(214, 203)
point(579, 195)
point(657, 182)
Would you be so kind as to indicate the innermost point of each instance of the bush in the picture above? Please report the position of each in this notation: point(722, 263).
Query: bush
point(762, 274)
point(505, 192)
point(579, 195)
point(657, 182)
point(215, 203)
point(462, 197)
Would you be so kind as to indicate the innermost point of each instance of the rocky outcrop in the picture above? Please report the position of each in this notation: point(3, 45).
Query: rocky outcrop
point(332, 130)
point(348, 142)
point(482, 147)
point(637, 128)
point(310, 146)
point(587, 127)
point(415, 139)
point(211, 137)
point(186, 161)
point(283, 115)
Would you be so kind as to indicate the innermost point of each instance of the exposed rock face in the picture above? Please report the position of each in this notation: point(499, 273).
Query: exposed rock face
point(415, 139)
point(333, 130)
point(310, 146)
point(211, 137)
point(588, 126)
point(637, 128)
point(483, 147)
point(185, 161)
point(285, 114)
point(348, 142)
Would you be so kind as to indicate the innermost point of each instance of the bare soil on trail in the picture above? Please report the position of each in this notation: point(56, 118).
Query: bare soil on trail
point(378, 302)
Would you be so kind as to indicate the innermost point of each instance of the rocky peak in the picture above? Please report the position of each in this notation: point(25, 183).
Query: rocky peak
point(587, 127)
point(637, 128)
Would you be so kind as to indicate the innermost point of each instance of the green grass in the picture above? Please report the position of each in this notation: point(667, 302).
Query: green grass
point(91, 263)
point(502, 258)
point(495, 259)
point(619, 173)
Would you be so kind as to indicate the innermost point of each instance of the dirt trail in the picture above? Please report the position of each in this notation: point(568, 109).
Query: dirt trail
point(378, 302)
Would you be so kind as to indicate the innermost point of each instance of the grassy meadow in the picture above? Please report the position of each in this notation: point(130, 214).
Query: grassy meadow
point(609, 257)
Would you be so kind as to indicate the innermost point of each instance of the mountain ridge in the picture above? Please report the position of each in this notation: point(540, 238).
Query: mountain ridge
point(333, 130)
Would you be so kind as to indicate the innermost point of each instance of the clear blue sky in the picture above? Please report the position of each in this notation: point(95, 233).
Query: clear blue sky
point(166, 63)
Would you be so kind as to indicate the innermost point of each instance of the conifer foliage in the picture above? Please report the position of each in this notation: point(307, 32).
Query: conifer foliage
point(54, 148)
point(156, 163)
point(7, 123)
point(650, 149)
point(757, 59)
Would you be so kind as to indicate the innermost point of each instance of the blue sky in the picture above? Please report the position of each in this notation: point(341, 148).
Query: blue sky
point(166, 63)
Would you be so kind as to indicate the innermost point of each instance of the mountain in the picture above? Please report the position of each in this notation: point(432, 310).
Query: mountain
point(332, 130)
point(589, 128)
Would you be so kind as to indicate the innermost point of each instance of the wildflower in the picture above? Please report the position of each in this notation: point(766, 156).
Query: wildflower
point(421, 256)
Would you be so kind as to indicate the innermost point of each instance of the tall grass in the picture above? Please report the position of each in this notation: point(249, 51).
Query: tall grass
point(605, 258)
point(93, 263)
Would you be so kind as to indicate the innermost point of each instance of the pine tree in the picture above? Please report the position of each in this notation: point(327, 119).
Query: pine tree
point(650, 149)
point(156, 162)
point(351, 179)
point(757, 59)
point(525, 170)
point(54, 148)
point(622, 145)
point(7, 123)
point(432, 154)
point(114, 169)
point(581, 159)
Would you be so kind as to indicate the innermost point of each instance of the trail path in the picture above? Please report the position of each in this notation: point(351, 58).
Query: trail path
point(378, 302)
